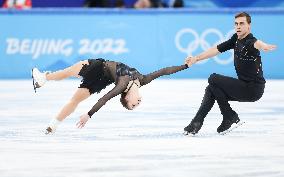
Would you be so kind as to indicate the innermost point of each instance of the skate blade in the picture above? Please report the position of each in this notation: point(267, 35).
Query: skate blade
point(186, 133)
point(232, 128)
point(48, 131)
point(34, 84)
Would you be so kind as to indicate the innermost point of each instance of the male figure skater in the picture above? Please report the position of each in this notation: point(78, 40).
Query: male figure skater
point(250, 84)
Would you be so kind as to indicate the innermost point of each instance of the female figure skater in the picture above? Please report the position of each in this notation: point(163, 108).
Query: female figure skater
point(96, 75)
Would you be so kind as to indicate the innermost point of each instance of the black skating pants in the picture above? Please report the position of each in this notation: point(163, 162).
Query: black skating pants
point(223, 89)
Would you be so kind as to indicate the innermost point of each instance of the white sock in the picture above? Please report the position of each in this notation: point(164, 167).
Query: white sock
point(45, 75)
point(53, 124)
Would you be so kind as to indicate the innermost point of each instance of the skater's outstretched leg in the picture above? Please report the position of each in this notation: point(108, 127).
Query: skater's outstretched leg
point(80, 95)
point(40, 78)
point(71, 71)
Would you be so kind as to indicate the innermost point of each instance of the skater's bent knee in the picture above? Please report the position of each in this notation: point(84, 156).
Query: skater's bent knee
point(256, 98)
point(212, 78)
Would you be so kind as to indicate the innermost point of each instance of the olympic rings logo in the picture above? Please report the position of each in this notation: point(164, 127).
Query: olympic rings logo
point(202, 42)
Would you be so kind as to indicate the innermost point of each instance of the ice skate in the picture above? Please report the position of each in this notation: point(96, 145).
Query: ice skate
point(39, 78)
point(227, 123)
point(193, 127)
point(52, 126)
point(234, 126)
point(49, 131)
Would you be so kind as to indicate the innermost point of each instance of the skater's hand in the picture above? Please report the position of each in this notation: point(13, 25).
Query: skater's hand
point(260, 45)
point(268, 47)
point(190, 60)
point(83, 120)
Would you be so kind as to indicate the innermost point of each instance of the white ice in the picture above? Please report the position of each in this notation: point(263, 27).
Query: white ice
point(146, 142)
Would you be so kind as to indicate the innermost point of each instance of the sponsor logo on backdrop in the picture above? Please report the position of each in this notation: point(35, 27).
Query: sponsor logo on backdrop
point(190, 42)
point(65, 47)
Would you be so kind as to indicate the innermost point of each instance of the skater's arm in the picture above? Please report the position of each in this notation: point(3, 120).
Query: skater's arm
point(222, 47)
point(213, 51)
point(118, 89)
point(260, 45)
point(165, 71)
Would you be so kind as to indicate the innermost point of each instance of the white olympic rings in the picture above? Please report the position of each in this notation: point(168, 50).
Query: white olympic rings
point(202, 42)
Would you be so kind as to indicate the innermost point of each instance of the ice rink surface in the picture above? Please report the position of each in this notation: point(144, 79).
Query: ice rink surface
point(146, 142)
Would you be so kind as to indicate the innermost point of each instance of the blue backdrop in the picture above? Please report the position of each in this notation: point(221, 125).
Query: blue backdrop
point(52, 39)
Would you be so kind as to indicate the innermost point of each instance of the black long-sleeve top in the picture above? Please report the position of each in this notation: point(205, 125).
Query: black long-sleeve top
point(247, 59)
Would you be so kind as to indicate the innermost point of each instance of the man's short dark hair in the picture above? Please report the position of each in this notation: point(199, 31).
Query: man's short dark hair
point(244, 14)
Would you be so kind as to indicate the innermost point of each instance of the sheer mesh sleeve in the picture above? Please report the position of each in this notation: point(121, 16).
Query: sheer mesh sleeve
point(145, 79)
point(118, 89)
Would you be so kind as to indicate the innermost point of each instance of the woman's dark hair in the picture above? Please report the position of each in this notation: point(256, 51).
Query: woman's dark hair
point(123, 100)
